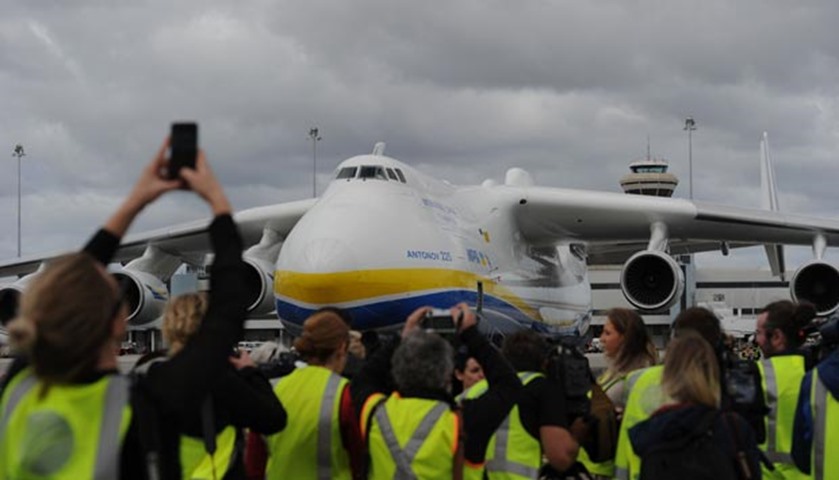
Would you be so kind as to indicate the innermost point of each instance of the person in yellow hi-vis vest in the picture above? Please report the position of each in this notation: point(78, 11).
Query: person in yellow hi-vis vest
point(815, 439)
point(627, 347)
point(416, 431)
point(65, 412)
point(538, 423)
point(322, 437)
point(643, 389)
point(779, 334)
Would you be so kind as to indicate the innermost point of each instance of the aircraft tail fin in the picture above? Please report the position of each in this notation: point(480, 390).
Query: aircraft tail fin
point(769, 201)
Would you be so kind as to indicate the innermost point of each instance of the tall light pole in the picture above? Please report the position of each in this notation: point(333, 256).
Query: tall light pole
point(18, 153)
point(313, 134)
point(690, 126)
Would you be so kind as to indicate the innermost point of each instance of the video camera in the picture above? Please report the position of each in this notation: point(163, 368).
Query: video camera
point(570, 367)
point(742, 390)
point(822, 337)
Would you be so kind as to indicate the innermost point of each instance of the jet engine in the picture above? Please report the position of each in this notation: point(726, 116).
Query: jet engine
point(10, 298)
point(818, 283)
point(9, 302)
point(145, 294)
point(259, 283)
point(652, 280)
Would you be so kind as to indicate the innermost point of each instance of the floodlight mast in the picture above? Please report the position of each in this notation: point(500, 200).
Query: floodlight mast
point(313, 134)
point(690, 126)
point(18, 152)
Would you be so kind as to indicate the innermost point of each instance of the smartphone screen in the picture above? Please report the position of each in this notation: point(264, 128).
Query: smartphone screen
point(183, 147)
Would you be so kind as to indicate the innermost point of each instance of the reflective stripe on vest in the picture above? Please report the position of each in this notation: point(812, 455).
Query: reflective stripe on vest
point(109, 442)
point(325, 428)
point(772, 401)
point(404, 457)
point(500, 463)
point(108, 457)
point(820, 420)
point(310, 446)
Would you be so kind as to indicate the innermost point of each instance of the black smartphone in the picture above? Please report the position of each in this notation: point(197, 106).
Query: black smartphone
point(183, 148)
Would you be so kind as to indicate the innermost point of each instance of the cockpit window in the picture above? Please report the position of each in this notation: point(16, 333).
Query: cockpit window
point(391, 175)
point(347, 172)
point(401, 175)
point(368, 171)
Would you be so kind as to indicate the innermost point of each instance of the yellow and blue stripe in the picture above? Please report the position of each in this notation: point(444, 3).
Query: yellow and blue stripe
point(385, 297)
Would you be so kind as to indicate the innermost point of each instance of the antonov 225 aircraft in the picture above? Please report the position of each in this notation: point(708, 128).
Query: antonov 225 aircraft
point(385, 238)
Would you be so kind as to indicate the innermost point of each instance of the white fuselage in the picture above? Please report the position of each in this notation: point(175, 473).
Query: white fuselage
point(381, 247)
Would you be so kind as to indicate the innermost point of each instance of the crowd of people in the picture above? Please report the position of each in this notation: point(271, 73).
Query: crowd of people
point(412, 406)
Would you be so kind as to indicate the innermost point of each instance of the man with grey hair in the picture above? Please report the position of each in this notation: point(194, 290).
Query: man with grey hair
point(415, 431)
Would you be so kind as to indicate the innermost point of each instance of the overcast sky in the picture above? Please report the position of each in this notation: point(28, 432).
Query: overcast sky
point(569, 91)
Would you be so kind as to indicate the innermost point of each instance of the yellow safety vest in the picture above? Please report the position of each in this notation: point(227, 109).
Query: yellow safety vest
point(512, 453)
point(310, 447)
point(198, 464)
point(644, 397)
point(781, 377)
point(823, 463)
point(74, 431)
point(410, 438)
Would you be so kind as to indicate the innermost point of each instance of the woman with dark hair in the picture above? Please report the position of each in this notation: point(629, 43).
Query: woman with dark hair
point(780, 333)
point(322, 438)
point(627, 347)
point(66, 412)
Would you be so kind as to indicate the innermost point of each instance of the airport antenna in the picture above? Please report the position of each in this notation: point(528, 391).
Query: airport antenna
point(315, 136)
point(19, 153)
point(690, 126)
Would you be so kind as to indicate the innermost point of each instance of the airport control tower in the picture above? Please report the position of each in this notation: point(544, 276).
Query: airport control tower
point(649, 177)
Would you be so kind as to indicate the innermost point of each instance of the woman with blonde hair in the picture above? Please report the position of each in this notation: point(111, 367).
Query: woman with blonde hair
point(693, 418)
point(66, 412)
point(322, 438)
point(240, 397)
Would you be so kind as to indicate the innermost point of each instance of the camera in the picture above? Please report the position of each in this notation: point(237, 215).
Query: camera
point(441, 321)
point(822, 338)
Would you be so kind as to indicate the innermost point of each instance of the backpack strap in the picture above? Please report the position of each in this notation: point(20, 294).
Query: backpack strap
point(741, 458)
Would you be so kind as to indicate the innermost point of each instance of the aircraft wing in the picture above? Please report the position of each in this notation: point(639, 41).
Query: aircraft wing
point(188, 240)
point(614, 225)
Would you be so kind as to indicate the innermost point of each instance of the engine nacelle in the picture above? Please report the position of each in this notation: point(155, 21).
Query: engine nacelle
point(10, 298)
point(652, 280)
point(259, 283)
point(816, 282)
point(146, 296)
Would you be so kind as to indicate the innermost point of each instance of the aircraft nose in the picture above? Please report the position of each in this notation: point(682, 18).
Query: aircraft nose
point(326, 255)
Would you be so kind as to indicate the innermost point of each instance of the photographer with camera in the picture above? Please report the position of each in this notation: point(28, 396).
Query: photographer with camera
point(780, 332)
point(815, 432)
point(413, 429)
point(538, 423)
